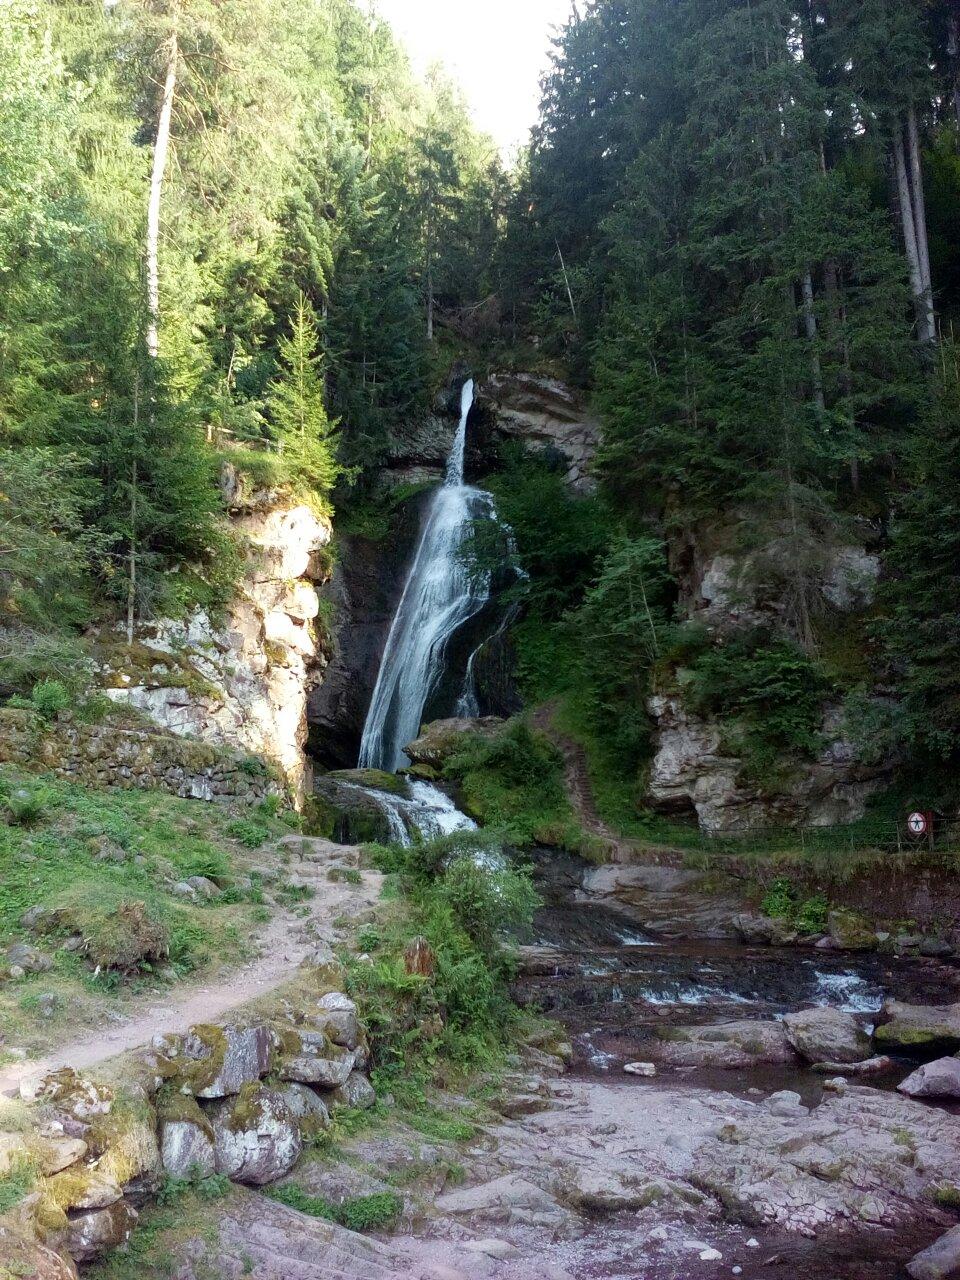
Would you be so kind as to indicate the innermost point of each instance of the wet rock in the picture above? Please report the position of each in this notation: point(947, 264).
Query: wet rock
point(347, 815)
point(941, 1261)
point(92, 1234)
point(869, 1067)
point(216, 1062)
point(356, 1092)
point(764, 931)
point(940, 1079)
point(22, 1257)
point(926, 1030)
point(827, 1035)
point(439, 740)
point(729, 1045)
point(851, 932)
point(186, 1139)
point(256, 1136)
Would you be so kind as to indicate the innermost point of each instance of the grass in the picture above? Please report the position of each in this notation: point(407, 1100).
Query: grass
point(356, 1213)
point(108, 860)
point(15, 1185)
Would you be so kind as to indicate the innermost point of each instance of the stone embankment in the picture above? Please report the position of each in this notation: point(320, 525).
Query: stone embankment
point(133, 758)
point(239, 1100)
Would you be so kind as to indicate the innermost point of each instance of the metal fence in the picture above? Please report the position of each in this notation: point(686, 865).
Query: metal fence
point(861, 838)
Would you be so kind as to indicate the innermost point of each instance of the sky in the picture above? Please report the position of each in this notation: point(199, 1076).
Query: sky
point(496, 49)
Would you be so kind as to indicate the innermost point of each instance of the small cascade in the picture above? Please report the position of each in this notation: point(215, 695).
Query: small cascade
point(439, 597)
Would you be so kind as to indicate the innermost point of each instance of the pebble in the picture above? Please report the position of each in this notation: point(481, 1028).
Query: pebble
point(753, 1243)
point(737, 1271)
point(711, 1255)
point(640, 1069)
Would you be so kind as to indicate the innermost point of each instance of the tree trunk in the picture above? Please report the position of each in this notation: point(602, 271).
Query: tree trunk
point(920, 217)
point(566, 281)
point(160, 152)
point(430, 298)
point(810, 328)
point(134, 479)
point(910, 237)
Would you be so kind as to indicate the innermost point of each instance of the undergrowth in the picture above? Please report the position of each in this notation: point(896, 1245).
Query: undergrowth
point(356, 1213)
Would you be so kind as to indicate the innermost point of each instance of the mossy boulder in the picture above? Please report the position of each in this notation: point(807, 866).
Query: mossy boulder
point(730, 1045)
point(311, 1057)
point(186, 1138)
point(375, 780)
point(924, 1031)
point(256, 1136)
point(22, 1257)
point(827, 1035)
point(83, 1187)
point(216, 1062)
point(92, 1234)
point(126, 1140)
point(443, 738)
point(851, 932)
point(343, 813)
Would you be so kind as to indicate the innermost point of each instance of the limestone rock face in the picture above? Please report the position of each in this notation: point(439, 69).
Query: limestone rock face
point(692, 770)
point(256, 1136)
point(244, 684)
point(827, 1035)
point(548, 417)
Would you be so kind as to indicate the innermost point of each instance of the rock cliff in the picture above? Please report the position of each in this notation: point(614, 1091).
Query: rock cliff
point(242, 681)
point(546, 416)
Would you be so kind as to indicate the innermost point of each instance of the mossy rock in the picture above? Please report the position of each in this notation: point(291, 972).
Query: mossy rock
point(345, 815)
point(376, 780)
point(851, 932)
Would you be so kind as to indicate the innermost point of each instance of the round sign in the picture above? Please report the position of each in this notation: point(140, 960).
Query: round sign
point(918, 824)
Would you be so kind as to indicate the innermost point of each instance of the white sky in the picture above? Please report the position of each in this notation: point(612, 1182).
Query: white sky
point(497, 49)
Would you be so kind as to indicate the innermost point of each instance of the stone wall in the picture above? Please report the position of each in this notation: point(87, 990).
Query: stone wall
point(110, 755)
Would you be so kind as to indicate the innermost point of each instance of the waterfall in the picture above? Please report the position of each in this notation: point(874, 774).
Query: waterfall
point(438, 598)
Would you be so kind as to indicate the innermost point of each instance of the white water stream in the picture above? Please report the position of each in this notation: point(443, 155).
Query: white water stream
point(438, 598)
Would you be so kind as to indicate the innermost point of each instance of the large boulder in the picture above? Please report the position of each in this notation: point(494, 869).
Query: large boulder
point(92, 1234)
point(924, 1030)
point(827, 1035)
point(216, 1062)
point(356, 1093)
point(311, 1057)
point(336, 1016)
point(347, 815)
point(732, 1045)
point(851, 932)
point(941, 1261)
point(22, 1257)
point(443, 738)
point(940, 1079)
point(308, 1107)
point(186, 1139)
point(256, 1136)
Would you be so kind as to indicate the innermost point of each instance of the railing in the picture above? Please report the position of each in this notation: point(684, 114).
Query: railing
point(882, 837)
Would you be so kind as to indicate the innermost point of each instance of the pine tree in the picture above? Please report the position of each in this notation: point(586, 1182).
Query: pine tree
point(307, 440)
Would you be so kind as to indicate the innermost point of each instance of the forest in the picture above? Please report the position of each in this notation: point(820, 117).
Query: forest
point(248, 231)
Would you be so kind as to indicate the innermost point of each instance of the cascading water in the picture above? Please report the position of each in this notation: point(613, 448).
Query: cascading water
point(439, 597)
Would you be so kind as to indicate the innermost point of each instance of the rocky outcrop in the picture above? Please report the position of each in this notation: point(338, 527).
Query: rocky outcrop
point(827, 1035)
point(919, 1029)
point(547, 417)
point(730, 1045)
point(243, 682)
point(441, 739)
point(693, 771)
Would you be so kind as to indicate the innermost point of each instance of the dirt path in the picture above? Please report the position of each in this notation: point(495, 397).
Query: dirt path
point(285, 943)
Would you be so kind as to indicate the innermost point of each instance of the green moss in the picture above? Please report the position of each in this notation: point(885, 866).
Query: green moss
point(947, 1197)
point(376, 780)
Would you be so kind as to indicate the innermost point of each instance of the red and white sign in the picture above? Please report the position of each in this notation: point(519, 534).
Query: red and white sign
point(918, 824)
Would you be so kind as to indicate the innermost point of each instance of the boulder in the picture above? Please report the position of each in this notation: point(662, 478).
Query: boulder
point(29, 958)
point(256, 1136)
point(730, 1045)
point(186, 1139)
point(22, 1257)
point(940, 1079)
point(924, 1030)
point(441, 739)
point(870, 1067)
point(308, 1108)
point(347, 815)
point(216, 1062)
point(310, 1057)
point(827, 1035)
point(336, 1016)
point(851, 932)
point(356, 1092)
point(82, 1188)
point(764, 931)
point(615, 1189)
point(91, 1234)
point(941, 1261)
point(68, 1093)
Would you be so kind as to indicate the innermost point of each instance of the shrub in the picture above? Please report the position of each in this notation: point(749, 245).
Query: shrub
point(783, 902)
point(356, 1213)
point(49, 698)
point(26, 808)
point(249, 832)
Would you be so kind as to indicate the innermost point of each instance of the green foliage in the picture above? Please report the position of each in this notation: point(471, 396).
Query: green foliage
point(783, 901)
point(207, 1187)
point(513, 783)
point(357, 1213)
point(26, 807)
point(251, 833)
point(15, 1185)
point(765, 689)
point(49, 698)
point(463, 896)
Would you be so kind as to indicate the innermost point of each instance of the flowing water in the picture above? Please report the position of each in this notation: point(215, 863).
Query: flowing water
point(440, 597)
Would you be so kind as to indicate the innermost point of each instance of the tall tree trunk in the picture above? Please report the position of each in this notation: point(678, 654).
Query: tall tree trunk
point(810, 329)
point(953, 53)
point(908, 225)
point(430, 297)
point(920, 215)
point(161, 150)
point(132, 558)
